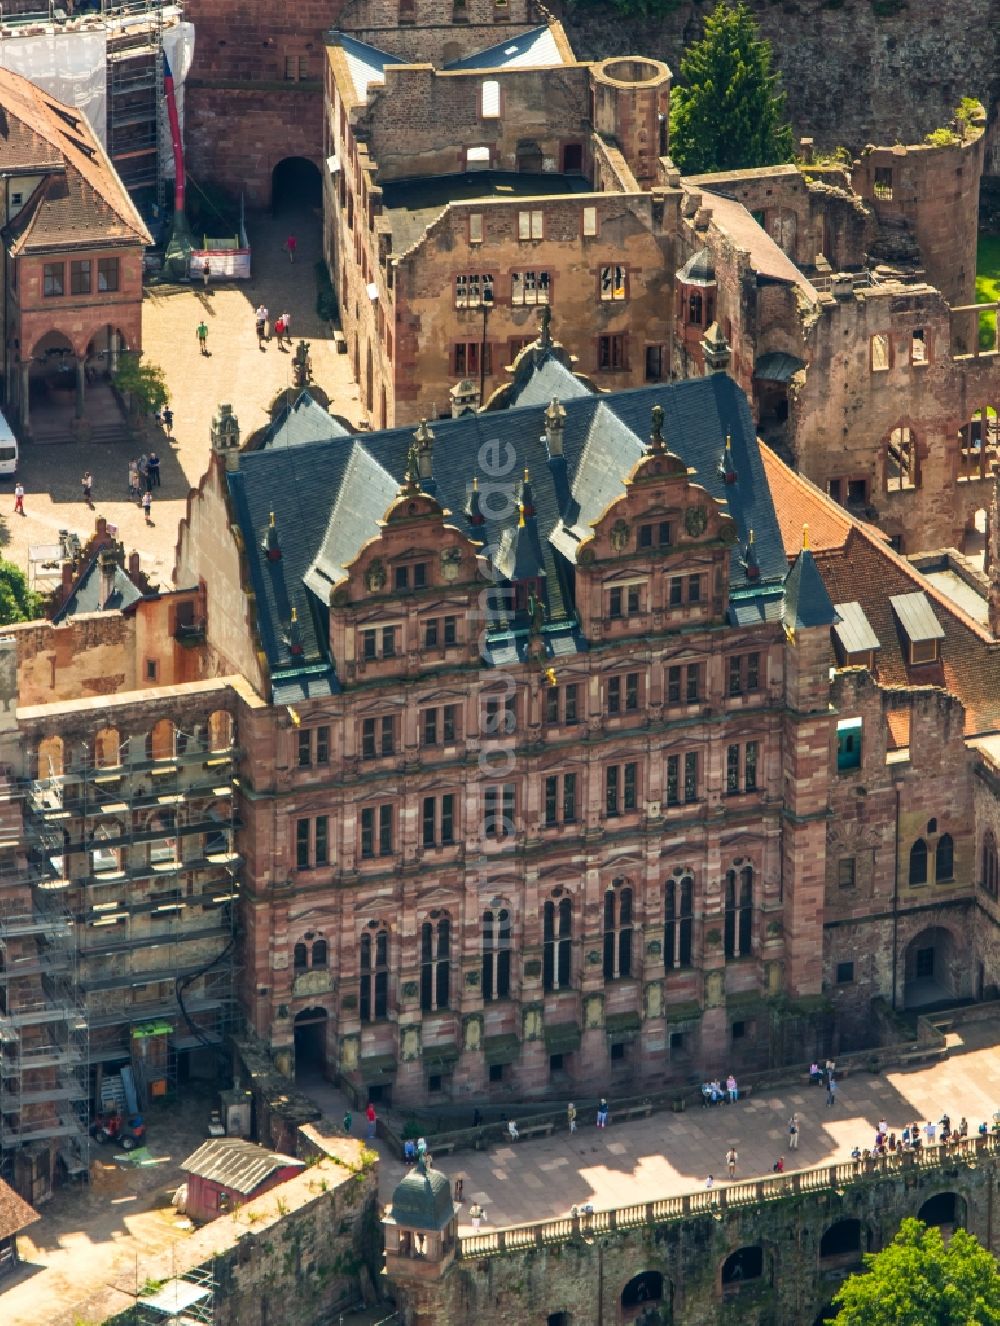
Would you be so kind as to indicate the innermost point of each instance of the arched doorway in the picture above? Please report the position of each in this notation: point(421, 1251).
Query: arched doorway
point(49, 379)
point(930, 972)
point(310, 1042)
point(295, 185)
point(646, 1299)
point(946, 1210)
point(842, 1245)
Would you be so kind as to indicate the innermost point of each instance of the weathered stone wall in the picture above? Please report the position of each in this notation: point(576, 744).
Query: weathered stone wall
point(853, 75)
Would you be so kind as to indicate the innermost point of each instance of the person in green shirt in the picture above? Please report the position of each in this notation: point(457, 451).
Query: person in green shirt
point(202, 330)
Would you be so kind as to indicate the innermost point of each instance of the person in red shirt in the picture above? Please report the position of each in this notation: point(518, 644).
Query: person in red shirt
point(291, 244)
point(370, 1116)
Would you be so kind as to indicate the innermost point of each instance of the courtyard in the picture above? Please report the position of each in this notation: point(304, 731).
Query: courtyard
point(236, 370)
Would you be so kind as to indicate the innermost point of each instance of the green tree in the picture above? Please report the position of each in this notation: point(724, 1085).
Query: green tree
point(919, 1280)
point(144, 384)
point(17, 602)
point(728, 112)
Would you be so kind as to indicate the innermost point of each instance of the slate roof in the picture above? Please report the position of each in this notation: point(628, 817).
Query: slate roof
point(547, 378)
point(698, 269)
point(329, 496)
point(81, 200)
point(422, 1199)
point(807, 603)
point(237, 1164)
point(15, 1213)
point(536, 49)
point(302, 420)
point(88, 596)
point(366, 64)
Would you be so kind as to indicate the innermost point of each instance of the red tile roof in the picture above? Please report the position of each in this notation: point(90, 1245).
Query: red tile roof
point(81, 200)
point(15, 1213)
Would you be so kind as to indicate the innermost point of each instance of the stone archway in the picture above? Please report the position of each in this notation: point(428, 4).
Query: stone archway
point(646, 1300)
point(296, 184)
point(311, 1027)
point(929, 968)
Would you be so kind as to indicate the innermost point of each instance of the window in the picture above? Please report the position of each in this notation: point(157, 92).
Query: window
point(302, 844)
point(498, 715)
point(880, 353)
point(52, 279)
point(923, 651)
point(744, 673)
point(435, 964)
point(378, 643)
point(410, 576)
point(16, 199)
point(378, 737)
point(477, 158)
point(988, 881)
point(320, 953)
point(562, 705)
point(918, 862)
point(678, 923)
point(617, 931)
point(499, 805)
point(305, 748)
point(682, 778)
point(297, 66)
point(467, 359)
point(107, 274)
point(475, 227)
point(490, 100)
point(918, 347)
point(944, 859)
point(694, 589)
point(883, 183)
point(560, 799)
point(312, 842)
point(657, 534)
point(846, 872)
point(376, 831)
point(849, 734)
point(151, 669)
point(439, 820)
point(621, 790)
point(900, 461)
point(497, 1072)
point(623, 693)
point(473, 291)
point(496, 954)
point(694, 309)
point(612, 353)
point(530, 225)
point(656, 363)
point(739, 912)
point(374, 985)
point(439, 725)
point(590, 221)
point(557, 945)
point(845, 973)
point(300, 958)
point(530, 287)
point(741, 768)
point(79, 277)
point(613, 283)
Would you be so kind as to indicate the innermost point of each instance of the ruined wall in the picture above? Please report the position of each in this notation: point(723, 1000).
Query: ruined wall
point(854, 73)
point(585, 1276)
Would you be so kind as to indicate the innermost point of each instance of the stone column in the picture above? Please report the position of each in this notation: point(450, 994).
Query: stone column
point(81, 387)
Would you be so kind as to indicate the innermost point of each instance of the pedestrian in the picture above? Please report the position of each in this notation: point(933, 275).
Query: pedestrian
point(144, 473)
point(512, 1132)
point(87, 483)
point(883, 1127)
point(477, 1117)
point(779, 1165)
point(286, 318)
point(19, 499)
point(459, 1186)
point(831, 1068)
point(732, 1088)
point(602, 1114)
point(260, 317)
point(571, 1117)
point(279, 332)
point(264, 314)
point(963, 1127)
point(476, 1214)
point(731, 1158)
point(133, 478)
point(168, 419)
point(153, 478)
point(291, 244)
point(206, 272)
point(202, 333)
point(370, 1116)
point(930, 1132)
point(348, 1120)
point(815, 1074)
point(710, 1183)
point(421, 1147)
point(793, 1133)
point(147, 503)
point(831, 1091)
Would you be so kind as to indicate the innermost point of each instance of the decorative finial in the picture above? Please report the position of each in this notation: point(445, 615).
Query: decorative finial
point(294, 635)
point(656, 428)
point(727, 467)
point(270, 542)
point(527, 497)
point(271, 520)
point(411, 483)
point(805, 538)
point(750, 563)
point(473, 510)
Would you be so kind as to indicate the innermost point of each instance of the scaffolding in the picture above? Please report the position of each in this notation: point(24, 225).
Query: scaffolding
point(184, 1300)
point(135, 87)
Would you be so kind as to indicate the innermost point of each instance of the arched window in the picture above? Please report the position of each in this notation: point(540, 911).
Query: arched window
point(220, 730)
point(50, 757)
point(319, 953)
point(617, 931)
point(944, 859)
point(678, 923)
point(496, 954)
point(988, 882)
point(374, 992)
point(435, 964)
point(901, 470)
point(300, 958)
point(739, 912)
point(161, 744)
point(107, 748)
point(558, 944)
point(694, 308)
point(918, 862)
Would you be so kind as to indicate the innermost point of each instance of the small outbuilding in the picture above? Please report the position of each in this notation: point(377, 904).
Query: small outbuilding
point(226, 1171)
point(15, 1215)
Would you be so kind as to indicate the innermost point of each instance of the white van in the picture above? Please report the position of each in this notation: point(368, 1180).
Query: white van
point(8, 450)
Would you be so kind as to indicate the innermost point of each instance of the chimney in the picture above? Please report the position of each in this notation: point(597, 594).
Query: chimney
point(133, 566)
point(225, 436)
point(106, 568)
point(555, 422)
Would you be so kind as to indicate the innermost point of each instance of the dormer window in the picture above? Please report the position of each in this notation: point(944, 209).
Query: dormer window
point(921, 629)
point(655, 535)
point(857, 644)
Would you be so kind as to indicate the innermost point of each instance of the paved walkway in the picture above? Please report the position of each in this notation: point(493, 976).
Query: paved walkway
point(670, 1154)
point(236, 371)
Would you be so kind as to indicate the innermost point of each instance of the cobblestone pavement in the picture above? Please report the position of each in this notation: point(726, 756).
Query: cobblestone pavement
point(236, 371)
point(669, 1154)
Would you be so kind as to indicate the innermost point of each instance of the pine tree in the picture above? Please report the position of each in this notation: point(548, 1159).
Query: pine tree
point(728, 112)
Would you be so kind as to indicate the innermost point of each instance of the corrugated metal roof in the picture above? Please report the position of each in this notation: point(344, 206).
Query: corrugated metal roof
point(242, 1166)
point(916, 616)
point(536, 49)
point(854, 630)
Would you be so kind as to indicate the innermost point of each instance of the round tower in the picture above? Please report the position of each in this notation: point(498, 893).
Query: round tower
point(631, 105)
